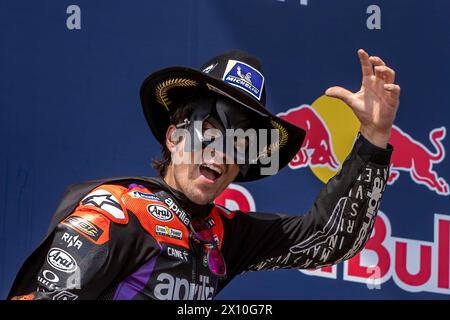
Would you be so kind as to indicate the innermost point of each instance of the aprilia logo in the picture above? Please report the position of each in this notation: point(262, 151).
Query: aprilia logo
point(173, 288)
point(178, 211)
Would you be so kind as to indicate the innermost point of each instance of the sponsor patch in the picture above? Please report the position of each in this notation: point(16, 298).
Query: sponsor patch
point(105, 201)
point(65, 295)
point(169, 232)
point(49, 280)
point(142, 195)
point(159, 212)
point(178, 211)
point(210, 68)
point(72, 241)
point(179, 254)
point(245, 77)
point(50, 276)
point(61, 260)
point(169, 287)
point(84, 226)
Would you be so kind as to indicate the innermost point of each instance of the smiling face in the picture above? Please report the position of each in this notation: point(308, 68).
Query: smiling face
point(201, 181)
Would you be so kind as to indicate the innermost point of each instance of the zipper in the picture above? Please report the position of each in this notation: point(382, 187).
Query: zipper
point(194, 269)
point(194, 261)
point(197, 257)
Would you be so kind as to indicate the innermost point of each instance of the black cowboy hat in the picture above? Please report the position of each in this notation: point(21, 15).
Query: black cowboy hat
point(235, 75)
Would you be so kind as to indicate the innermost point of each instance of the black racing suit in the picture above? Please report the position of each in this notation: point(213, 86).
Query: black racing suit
point(128, 238)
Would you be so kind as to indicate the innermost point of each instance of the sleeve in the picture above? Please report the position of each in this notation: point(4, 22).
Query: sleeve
point(78, 255)
point(335, 229)
point(90, 252)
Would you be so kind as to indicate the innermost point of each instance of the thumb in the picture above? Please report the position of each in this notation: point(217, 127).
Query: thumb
point(340, 93)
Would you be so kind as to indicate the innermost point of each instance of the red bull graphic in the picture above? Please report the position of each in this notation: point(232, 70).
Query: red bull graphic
point(317, 150)
point(413, 265)
point(236, 197)
point(412, 156)
point(328, 143)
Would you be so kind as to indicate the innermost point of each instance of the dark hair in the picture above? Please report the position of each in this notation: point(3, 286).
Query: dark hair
point(181, 113)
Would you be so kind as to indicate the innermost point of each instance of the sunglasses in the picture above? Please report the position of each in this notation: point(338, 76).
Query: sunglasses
point(239, 145)
point(203, 235)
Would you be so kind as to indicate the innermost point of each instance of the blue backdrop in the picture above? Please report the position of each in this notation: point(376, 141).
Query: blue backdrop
point(70, 109)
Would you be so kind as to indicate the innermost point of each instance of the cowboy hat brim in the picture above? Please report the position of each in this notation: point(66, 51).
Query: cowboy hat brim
point(162, 91)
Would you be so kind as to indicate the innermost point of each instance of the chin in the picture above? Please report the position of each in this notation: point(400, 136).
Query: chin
point(199, 196)
point(202, 199)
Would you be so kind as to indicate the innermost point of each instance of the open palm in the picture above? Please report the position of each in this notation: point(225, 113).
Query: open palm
point(376, 102)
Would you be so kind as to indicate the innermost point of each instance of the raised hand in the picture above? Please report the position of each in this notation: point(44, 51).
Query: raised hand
point(376, 103)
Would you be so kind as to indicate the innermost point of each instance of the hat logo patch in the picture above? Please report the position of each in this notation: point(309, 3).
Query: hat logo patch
point(245, 77)
point(209, 68)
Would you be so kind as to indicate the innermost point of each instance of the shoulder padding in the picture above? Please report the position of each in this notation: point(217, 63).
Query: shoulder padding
point(107, 199)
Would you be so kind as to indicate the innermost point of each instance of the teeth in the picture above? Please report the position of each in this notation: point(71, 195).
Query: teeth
point(215, 169)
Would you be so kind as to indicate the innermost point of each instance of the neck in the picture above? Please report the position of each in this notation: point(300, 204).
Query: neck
point(170, 179)
point(191, 207)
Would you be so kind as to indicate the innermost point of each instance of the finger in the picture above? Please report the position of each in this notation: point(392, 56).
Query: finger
point(392, 88)
point(393, 93)
point(340, 93)
point(385, 73)
point(366, 65)
point(379, 74)
point(376, 61)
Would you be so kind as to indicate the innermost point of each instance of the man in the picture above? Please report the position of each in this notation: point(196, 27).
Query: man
point(163, 238)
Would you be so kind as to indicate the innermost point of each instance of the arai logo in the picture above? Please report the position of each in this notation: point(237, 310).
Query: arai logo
point(159, 212)
point(61, 260)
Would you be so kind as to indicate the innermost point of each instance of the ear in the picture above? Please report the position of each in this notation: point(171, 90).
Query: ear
point(172, 138)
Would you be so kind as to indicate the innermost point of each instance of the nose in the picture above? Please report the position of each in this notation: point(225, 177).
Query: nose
point(213, 155)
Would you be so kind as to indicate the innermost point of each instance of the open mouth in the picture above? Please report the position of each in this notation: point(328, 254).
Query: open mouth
point(210, 171)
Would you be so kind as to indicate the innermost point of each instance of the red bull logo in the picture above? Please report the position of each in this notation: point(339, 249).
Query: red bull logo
point(412, 156)
point(317, 150)
point(331, 128)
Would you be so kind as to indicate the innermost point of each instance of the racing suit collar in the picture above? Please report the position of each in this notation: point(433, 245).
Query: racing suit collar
point(193, 209)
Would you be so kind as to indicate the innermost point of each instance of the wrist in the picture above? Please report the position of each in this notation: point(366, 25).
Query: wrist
point(377, 138)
